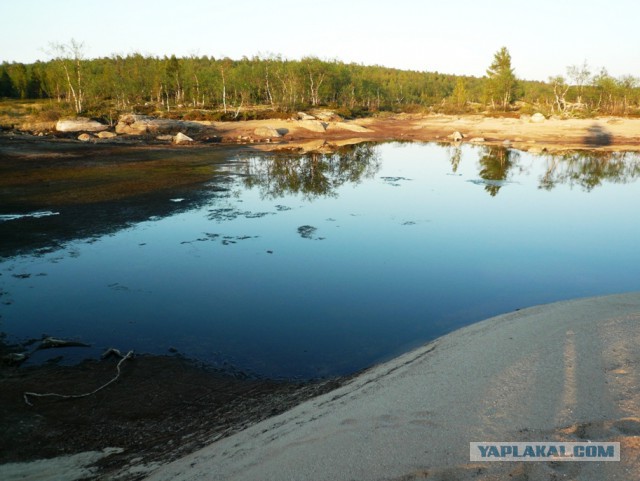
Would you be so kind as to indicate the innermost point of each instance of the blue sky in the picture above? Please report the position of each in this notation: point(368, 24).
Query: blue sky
point(452, 36)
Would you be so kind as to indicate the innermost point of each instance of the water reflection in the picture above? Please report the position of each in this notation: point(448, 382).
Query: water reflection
point(234, 275)
point(313, 174)
point(455, 156)
point(590, 169)
point(496, 163)
point(587, 169)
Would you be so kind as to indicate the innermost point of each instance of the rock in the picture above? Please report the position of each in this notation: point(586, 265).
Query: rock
point(266, 132)
point(107, 135)
point(348, 126)
point(456, 136)
point(305, 116)
point(85, 137)
point(80, 124)
point(134, 124)
point(180, 138)
point(313, 125)
point(52, 342)
point(326, 116)
point(15, 358)
point(165, 137)
point(537, 118)
point(477, 140)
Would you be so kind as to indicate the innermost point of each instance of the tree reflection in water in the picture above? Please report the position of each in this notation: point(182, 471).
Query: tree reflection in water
point(589, 169)
point(495, 166)
point(586, 169)
point(313, 174)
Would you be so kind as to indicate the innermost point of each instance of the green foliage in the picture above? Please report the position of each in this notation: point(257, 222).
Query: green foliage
point(204, 88)
point(501, 83)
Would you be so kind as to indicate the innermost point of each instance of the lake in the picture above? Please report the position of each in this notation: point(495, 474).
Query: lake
point(307, 266)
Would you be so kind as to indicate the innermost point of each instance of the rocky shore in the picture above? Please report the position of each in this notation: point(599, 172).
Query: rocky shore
point(323, 130)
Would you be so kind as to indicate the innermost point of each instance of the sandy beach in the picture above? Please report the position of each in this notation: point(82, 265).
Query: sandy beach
point(565, 371)
point(560, 372)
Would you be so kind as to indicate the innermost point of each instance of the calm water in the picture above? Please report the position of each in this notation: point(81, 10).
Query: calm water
point(322, 265)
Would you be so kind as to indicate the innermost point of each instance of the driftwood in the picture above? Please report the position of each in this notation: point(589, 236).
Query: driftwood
point(129, 355)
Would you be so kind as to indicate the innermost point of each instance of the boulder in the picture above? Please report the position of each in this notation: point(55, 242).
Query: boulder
point(134, 124)
point(181, 138)
point(107, 135)
point(165, 137)
point(80, 124)
point(456, 136)
point(305, 116)
point(85, 137)
point(313, 125)
point(326, 116)
point(537, 118)
point(348, 126)
point(267, 132)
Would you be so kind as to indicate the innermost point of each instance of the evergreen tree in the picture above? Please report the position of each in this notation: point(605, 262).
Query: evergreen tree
point(7, 88)
point(501, 79)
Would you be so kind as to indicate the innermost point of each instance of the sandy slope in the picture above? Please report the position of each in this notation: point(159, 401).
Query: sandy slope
point(564, 371)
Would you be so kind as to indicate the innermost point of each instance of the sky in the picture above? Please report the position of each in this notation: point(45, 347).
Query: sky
point(448, 36)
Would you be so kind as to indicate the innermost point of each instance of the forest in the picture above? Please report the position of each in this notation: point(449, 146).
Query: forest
point(206, 88)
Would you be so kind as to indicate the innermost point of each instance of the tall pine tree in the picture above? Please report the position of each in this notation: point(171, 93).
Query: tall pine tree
point(501, 83)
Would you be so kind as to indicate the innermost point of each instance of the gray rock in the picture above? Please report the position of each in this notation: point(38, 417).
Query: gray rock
point(134, 124)
point(80, 124)
point(305, 116)
point(326, 116)
point(456, 136)
point(348, 126)
point(180, 138)
point(267, 132)
point(313, 125)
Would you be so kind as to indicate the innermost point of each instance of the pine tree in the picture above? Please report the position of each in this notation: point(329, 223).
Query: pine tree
point(501, 79)
point(7, 88)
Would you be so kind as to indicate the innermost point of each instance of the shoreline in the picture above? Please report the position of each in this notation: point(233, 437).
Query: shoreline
point(527, 133)
point(565, 371)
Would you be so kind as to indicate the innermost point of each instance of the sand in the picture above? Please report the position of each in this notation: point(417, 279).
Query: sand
point(565, 371)
point(559, 372)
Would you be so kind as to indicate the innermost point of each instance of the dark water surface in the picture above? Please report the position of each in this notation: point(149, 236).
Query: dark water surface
point(318, 265)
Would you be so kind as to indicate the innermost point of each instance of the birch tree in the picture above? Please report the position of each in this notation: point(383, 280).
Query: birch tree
point(70, 56)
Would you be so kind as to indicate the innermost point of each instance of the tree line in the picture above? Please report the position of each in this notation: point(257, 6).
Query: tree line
point(229, 89)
